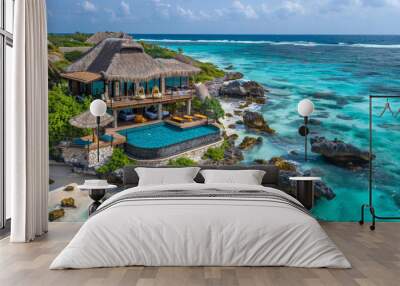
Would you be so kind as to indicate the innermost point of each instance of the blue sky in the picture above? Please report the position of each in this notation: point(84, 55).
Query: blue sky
point(226, 16)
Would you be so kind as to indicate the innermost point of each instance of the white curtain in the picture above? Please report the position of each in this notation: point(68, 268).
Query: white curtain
point(26, 119)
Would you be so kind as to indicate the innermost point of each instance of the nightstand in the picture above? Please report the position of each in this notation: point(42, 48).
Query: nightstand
point(305, 190)
point(97, 190)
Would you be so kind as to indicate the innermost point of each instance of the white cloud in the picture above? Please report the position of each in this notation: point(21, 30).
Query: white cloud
point(162, 7)
point(89, 6)
point(186, 13)
point(293, 7)
point(221, 12)
point(126, 9)
point(246, 10)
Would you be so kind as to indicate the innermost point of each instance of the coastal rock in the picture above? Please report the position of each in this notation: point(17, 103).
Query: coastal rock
point(230, 67)
point(282, 164)
point(68, 203)
point(260, 162)
point(285, 184)
point(69, 188)
point(250, 142)
point(241, 89)
point(233, 76)
point(214, 86)
point(321, 189)
point(115, 177)
point(202, 91)
point(232, 155)
point(56, 214)
point(232, 126)
point(339, 152)
point(255, 121)
point(238, 112)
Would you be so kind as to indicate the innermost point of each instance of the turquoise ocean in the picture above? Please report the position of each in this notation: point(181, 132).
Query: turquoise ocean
point(337, 73)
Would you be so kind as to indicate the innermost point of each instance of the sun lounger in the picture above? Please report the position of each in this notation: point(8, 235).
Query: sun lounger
point(107, 138)
point(80, 142)
point(178, 119)
point(188, 117)
point(126, 115)
point(200, 116)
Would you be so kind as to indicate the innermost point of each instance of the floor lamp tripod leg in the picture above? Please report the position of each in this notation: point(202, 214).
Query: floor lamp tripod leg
point(361, 222)
point(372, 227)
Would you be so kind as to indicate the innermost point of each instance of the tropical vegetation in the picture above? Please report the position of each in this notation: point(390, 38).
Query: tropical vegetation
point(182, 162)
point(117, 160)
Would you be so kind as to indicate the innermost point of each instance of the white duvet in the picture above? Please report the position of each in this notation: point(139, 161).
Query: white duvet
point(202, 232)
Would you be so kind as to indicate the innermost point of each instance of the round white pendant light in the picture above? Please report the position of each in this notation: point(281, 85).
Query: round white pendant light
point(305, 107)
point(98, 107)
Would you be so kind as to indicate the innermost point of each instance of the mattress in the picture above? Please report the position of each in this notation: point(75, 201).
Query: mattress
point(201, 225)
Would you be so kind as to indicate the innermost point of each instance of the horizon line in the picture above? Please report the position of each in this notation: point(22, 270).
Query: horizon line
point(231, 34)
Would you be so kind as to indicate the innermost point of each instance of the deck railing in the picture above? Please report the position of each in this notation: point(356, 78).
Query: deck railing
point(149, 99)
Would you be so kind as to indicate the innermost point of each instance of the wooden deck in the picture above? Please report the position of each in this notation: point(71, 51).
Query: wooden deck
point(375, 257)
point(130, 102)
point(187, 124)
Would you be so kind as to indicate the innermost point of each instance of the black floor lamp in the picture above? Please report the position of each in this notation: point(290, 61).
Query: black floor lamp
point(98, 108)
point(305, 109)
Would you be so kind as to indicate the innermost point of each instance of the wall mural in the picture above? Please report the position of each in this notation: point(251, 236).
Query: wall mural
point(224, 99)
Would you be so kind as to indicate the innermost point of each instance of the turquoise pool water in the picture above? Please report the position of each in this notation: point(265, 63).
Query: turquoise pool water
point(162, 135)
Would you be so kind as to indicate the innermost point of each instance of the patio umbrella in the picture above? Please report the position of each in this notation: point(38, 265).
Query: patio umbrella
point(87, 120)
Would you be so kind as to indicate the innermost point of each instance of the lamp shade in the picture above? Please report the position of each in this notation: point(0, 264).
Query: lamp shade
point(98, 107)
point(305, 107)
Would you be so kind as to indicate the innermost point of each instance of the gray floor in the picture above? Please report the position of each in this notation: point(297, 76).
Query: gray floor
point(62, 175)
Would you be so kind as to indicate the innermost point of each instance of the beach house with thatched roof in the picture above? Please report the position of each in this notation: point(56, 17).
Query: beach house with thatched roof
point(125, 77)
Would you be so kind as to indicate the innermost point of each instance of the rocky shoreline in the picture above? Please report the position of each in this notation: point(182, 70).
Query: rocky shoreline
point(241, 99)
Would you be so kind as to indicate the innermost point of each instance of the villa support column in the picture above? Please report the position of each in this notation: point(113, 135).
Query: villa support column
point(189, 107)
point(160, 111)
point(116, 88)
point(115, 114)
point(106, 90)
point(162, 85)
point(137, 84)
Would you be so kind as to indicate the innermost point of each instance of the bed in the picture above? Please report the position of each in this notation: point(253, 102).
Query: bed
point(198, 224)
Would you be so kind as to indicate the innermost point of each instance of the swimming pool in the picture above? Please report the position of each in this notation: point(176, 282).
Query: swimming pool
point(163, 140)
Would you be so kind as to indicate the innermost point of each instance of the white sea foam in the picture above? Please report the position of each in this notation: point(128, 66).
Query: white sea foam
point(294, 43)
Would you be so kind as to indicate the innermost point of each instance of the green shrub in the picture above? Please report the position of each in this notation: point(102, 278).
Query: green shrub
point(118, 160)
point(62, 108)
point(215, 154)
point(210, 106)
point(69, 40)
point(61, 65)
point(158, 52)
point(182, 162)
point(208, 72)
point(73, 55)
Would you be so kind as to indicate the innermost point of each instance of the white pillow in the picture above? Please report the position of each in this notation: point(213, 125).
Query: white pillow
point(166, 176)
point(246, 177)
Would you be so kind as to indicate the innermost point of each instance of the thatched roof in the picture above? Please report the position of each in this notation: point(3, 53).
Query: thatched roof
point(100, 36)
point(85, 77)
point(87, 120)
point(119, 59)
point(174, 67)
